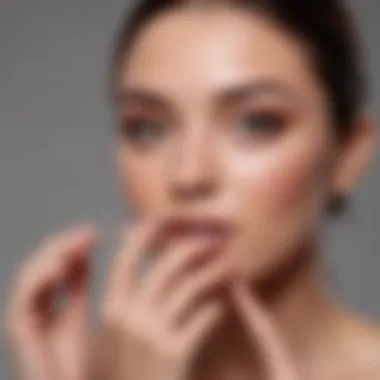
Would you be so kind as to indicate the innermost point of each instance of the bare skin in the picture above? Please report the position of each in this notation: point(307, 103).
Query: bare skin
point(221, 114)
point(143, 336)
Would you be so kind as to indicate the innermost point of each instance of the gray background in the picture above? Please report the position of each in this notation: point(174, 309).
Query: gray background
point(56, 164)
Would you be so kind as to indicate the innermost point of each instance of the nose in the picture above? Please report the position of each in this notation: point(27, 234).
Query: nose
point(194, 173)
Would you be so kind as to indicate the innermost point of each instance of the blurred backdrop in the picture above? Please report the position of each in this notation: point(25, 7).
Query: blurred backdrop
point(56, 163)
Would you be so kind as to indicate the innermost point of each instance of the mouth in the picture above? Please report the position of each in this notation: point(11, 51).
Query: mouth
point(213, 229)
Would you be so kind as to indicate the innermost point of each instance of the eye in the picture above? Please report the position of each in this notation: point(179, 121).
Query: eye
point(262, 123)
point(142, 131)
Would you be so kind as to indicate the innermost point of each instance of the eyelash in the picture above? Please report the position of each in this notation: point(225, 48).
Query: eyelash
point(143, 131)
point(269, 123)
point(135, 129)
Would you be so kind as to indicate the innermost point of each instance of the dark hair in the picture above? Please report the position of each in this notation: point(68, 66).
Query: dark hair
point(326, 26)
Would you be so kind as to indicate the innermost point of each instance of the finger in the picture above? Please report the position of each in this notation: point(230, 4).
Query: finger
point(260, 329)
point(202, 325)
point(72, 319)
point(135, 242)
point(69, 337)
point(77, 279)
point(55, 260)
point(41, 271)
point(195, 288)
point(172, 265)
point(45, 269)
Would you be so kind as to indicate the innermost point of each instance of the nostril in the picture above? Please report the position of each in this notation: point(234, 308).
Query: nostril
point(191, 190)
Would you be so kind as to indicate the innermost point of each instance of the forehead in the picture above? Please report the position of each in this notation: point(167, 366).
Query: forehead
point(200, 50)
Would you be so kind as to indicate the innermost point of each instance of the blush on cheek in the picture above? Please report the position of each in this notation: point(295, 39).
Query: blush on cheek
point(293, 184)
point(281, 182)
point(279, 202)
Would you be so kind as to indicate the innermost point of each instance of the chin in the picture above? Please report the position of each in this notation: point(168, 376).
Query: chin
point(272, 265)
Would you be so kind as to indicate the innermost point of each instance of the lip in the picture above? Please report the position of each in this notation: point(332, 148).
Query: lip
point(200, 226)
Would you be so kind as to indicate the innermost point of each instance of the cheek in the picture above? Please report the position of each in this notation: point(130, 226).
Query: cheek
point(142, 183)
point(279, 193)
point(290, 184)
point(277, 182)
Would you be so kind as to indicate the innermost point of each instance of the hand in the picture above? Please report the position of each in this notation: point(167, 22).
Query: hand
point(49, 344)
point(154, 327)
point(260, 329)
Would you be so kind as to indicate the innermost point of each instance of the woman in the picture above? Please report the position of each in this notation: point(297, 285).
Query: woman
point(241, 128)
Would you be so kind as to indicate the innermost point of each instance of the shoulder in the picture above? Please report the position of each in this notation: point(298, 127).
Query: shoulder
point(361, 344)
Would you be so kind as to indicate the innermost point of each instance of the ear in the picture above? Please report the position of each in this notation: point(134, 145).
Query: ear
point(353, 155)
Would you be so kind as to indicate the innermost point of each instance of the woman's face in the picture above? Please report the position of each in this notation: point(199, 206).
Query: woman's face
point(223, 117)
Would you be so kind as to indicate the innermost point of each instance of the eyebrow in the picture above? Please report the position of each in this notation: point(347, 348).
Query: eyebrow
point(255, 88)
point(142, 97)
point(231, 94)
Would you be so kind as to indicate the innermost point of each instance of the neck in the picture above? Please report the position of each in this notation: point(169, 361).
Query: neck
point(294, 298)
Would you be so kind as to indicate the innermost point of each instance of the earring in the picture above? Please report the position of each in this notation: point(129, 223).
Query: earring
point(337, 204)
